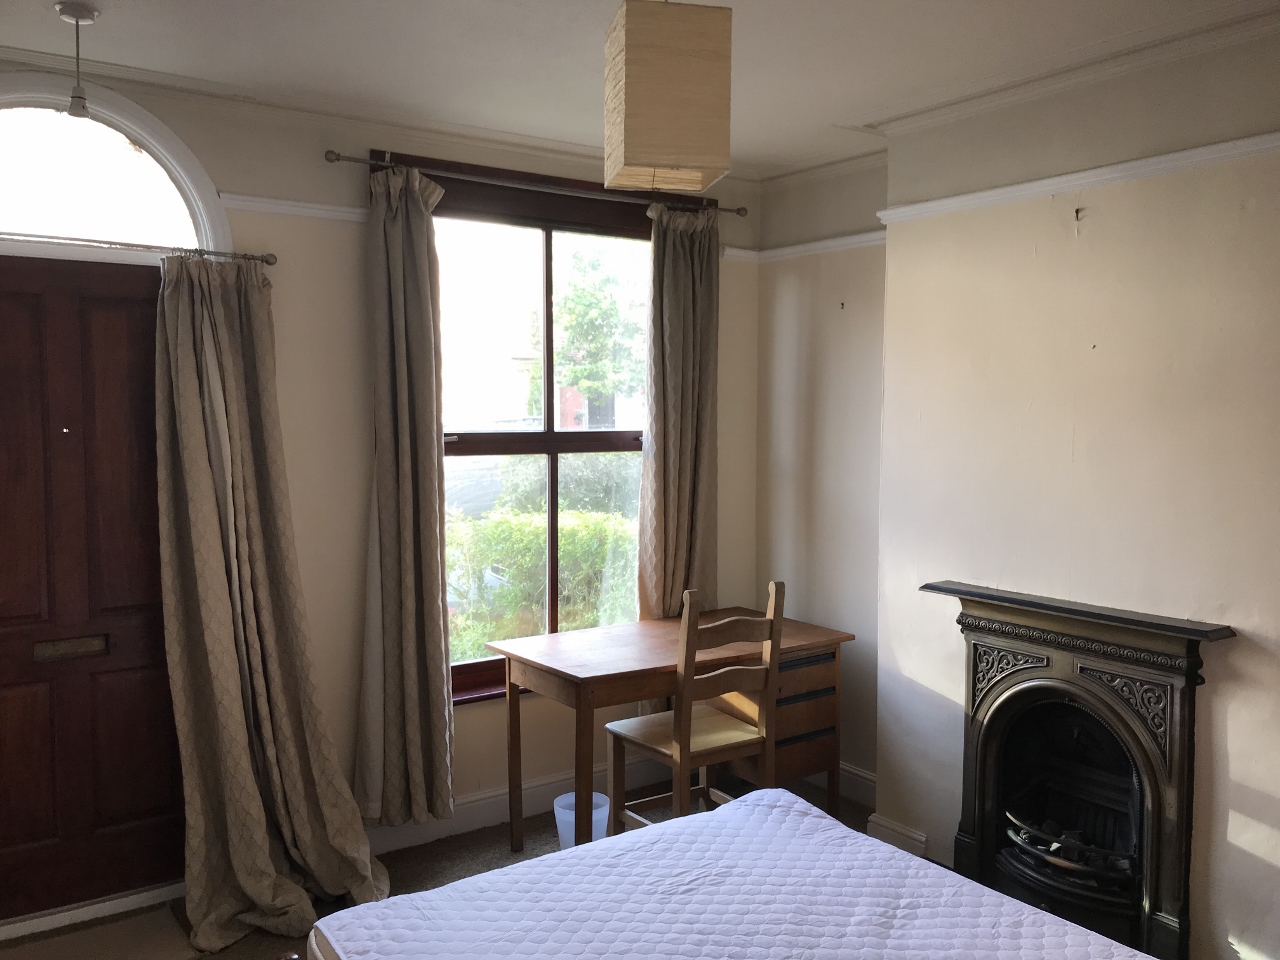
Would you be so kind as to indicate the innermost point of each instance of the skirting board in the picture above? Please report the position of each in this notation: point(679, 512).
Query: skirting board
point(490, 808)
point(902, 837)
point(92, 910)
point(856, 784)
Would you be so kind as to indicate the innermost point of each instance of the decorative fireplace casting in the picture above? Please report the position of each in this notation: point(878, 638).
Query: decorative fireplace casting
point(1079, 744)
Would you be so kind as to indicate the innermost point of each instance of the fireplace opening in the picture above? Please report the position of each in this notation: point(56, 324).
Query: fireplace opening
point(1070, 819)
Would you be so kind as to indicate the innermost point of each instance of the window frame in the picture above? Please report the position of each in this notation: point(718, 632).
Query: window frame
point(208, 212)
point(525, 199)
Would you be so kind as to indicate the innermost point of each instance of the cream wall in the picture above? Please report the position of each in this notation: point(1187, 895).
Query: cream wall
point(821, 325)
point(1088, 409)
point(737, 393)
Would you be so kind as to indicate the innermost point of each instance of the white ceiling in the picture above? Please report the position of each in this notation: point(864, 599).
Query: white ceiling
point(534, 68)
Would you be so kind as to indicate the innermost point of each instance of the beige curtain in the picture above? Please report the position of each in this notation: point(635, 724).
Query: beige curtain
point(404, 743)
point(678, 479)
point(270, 817)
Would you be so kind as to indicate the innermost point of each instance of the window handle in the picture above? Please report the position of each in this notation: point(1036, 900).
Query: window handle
point(450, 438)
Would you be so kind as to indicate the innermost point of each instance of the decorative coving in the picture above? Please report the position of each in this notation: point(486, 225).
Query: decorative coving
point(1084, 179)
point(869, 238)
point(1148, 701)
point(1017, 631)
point(967, 104)
point(990, 664)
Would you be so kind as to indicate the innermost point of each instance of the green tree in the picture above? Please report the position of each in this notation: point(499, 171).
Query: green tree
point(533, 405)
point(598, 346)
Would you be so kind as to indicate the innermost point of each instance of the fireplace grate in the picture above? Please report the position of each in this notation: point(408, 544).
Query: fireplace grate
point(1073, 833)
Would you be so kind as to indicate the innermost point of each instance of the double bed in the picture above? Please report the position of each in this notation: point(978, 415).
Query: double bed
point(766, 876)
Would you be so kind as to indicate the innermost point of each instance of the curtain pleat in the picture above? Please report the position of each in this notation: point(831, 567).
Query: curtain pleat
point(270, 818)
point(404, 743)
point(677, 548)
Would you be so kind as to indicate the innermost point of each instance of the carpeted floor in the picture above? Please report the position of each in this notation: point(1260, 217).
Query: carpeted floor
point(160, 933)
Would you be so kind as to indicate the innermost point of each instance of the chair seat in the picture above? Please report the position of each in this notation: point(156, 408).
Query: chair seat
point(710, 731)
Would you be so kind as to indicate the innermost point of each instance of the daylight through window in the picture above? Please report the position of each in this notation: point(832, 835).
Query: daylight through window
point(62, 176)
point(544, 353)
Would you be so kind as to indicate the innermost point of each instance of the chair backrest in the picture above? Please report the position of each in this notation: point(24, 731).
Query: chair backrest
point(760, 679)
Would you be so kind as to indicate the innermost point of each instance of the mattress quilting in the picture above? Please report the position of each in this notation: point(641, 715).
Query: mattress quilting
point(767, 877)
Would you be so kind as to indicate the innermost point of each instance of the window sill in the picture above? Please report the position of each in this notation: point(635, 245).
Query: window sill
point(477, 680)
point(479, 694)
point(491, 693)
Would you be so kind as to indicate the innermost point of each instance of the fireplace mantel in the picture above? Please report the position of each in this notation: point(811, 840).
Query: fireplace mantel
point(1109, 616)
point(1135, 672)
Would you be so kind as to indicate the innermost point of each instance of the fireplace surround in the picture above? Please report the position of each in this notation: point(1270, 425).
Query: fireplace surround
point(1078, 760)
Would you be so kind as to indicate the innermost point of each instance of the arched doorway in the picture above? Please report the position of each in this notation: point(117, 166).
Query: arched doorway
point(93, 803)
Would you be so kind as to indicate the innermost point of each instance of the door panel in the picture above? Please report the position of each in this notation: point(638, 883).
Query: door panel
point(23, 566)
point(26, 765)
point(133, 724)
point(90, 784)
point(121, 467)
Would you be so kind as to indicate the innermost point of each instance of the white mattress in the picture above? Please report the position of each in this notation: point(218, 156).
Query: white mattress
point(767, 876)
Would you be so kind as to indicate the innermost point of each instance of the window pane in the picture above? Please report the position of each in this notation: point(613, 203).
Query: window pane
point(496, 550)
point(601, 288)
point(491, 325)
point(598, 502)
point(63, 176)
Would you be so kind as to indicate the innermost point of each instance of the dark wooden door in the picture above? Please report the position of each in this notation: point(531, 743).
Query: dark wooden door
point(90, 786)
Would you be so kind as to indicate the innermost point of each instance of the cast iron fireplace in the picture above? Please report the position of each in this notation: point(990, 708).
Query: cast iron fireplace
point(1079, 746)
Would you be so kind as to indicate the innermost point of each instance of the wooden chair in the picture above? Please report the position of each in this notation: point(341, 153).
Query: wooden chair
point(696, 734)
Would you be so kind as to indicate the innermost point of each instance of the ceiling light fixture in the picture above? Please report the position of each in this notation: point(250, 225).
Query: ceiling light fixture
point(666, 96)
point(81, 14)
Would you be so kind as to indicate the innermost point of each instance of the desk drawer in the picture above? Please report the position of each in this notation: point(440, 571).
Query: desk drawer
point(806, 712)
point(804, 674)
point(806, 719)
point(801, 756)
point(815, 752)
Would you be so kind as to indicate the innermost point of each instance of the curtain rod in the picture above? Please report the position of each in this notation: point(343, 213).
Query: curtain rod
point(333, 156)
point(268, 258)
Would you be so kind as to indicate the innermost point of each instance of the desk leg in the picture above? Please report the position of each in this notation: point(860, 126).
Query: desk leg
point(583, 767)
point(515, 784)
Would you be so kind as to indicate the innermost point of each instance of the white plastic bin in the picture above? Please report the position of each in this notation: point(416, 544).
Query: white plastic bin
point(564, 807)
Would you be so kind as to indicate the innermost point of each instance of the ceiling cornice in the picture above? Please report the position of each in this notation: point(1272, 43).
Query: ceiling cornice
point(899, 122)
point(828, 171)
point(1067, 183)
point(895, 122)
point(171, 85)
point(461, 138)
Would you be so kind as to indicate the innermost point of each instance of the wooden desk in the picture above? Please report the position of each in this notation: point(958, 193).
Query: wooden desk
point(626, 663)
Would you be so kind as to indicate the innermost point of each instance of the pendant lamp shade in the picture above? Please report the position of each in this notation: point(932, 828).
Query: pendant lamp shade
point(666, 96)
